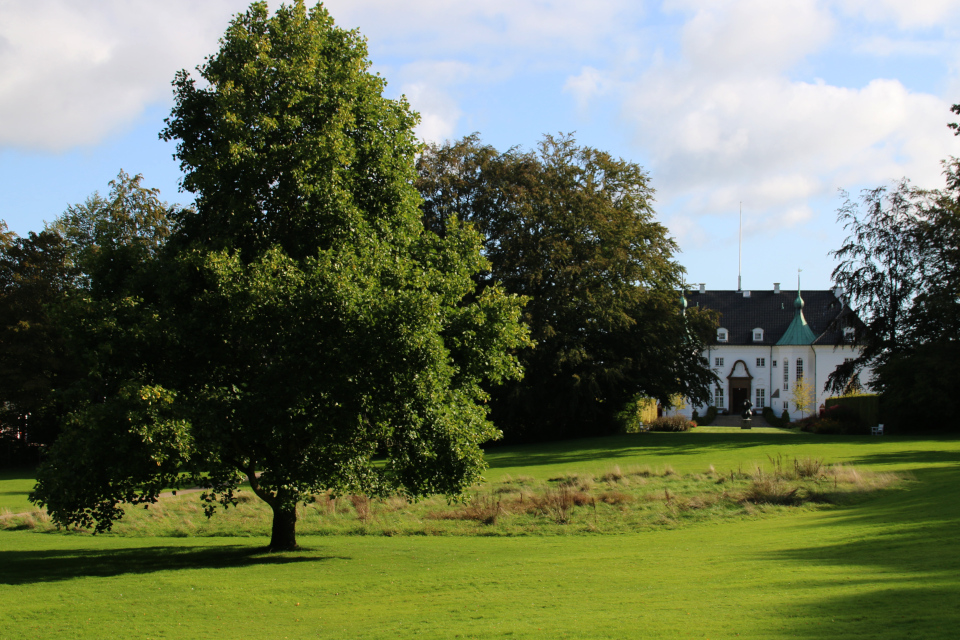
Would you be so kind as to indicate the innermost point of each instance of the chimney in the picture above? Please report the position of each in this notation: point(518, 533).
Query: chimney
point(776, 287)
point(703, 287)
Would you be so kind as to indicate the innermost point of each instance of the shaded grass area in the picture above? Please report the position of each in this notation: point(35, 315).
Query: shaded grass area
point(885, 568)
point(691, 452)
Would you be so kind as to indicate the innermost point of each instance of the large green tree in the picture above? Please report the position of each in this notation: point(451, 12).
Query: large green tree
point(573, 229)
point(900, 265)
point(299, 330)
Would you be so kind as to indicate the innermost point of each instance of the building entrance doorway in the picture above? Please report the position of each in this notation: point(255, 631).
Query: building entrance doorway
point(737, 397)
point(740, 386)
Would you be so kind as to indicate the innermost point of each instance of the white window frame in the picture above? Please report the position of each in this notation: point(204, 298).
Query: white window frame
point(718, 400)
point(761, 363)
point(758, 335)
point(722, 335)
point(799, 365)
point(761, 397)
point(718, 362)
point(786, 375)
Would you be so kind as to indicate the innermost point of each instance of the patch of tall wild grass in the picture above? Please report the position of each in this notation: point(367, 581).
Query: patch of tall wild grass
point(614, 501)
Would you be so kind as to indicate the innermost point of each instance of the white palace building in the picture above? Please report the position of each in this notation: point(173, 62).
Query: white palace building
point(768, 340)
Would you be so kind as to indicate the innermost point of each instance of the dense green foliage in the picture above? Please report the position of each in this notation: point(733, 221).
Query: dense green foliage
point(48, 284)
point(299, 321)
point(573, 229)
point(865, 406)
point(36, 275)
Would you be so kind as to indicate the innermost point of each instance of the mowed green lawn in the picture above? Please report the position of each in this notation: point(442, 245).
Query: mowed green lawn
point(885, 568)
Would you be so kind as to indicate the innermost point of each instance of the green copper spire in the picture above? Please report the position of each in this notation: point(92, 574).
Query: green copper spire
point(799, 332)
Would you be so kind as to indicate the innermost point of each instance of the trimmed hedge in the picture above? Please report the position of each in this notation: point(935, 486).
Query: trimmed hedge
point(773, 420)
point(706, 418)
point(837, 419)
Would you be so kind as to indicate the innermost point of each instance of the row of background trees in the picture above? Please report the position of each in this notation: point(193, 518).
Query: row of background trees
point(568, 228)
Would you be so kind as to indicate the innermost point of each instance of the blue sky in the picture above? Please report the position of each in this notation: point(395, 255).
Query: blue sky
point(777, 105)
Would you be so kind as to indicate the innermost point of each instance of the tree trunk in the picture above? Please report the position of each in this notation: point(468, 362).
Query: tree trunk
point(284, 535)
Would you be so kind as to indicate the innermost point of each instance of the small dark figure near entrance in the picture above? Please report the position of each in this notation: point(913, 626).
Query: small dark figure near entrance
point(747, 409)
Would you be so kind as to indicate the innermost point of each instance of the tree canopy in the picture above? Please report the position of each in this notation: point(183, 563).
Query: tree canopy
point(299, 329)
point(573, 229)
point(900, 267)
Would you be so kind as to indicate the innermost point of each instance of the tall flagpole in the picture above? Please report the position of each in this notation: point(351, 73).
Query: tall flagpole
point(740, 251)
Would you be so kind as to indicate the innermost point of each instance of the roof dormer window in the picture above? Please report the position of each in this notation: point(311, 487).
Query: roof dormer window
point(758, 335)
point(722, 335)
point(848, 333)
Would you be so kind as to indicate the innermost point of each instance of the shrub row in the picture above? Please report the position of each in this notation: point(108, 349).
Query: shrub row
point(773, 420)
point(671, 423)
point(706, 418)
point(837, 419)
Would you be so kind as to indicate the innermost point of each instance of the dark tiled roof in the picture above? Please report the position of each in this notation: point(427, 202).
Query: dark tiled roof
point(773, 312)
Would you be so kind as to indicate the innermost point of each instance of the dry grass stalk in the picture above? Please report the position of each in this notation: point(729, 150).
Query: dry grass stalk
point(808, 468)
point(614, 475)
point(615, 497)
point(770, 490)
point(361, 505)
point(644, 472)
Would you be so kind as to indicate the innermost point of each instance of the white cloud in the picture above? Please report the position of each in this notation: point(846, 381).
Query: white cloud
point(491, 29)
point(906, 14)
point(750, 36)
point(886, 47)
point(725, 122)
point(589, 85)
point(439, 112)
point(72, 73)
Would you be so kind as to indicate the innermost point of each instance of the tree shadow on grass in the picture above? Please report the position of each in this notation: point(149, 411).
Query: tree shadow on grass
point(568, 452)
point(905, 455)
point(903, 562)
point(26, 567)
